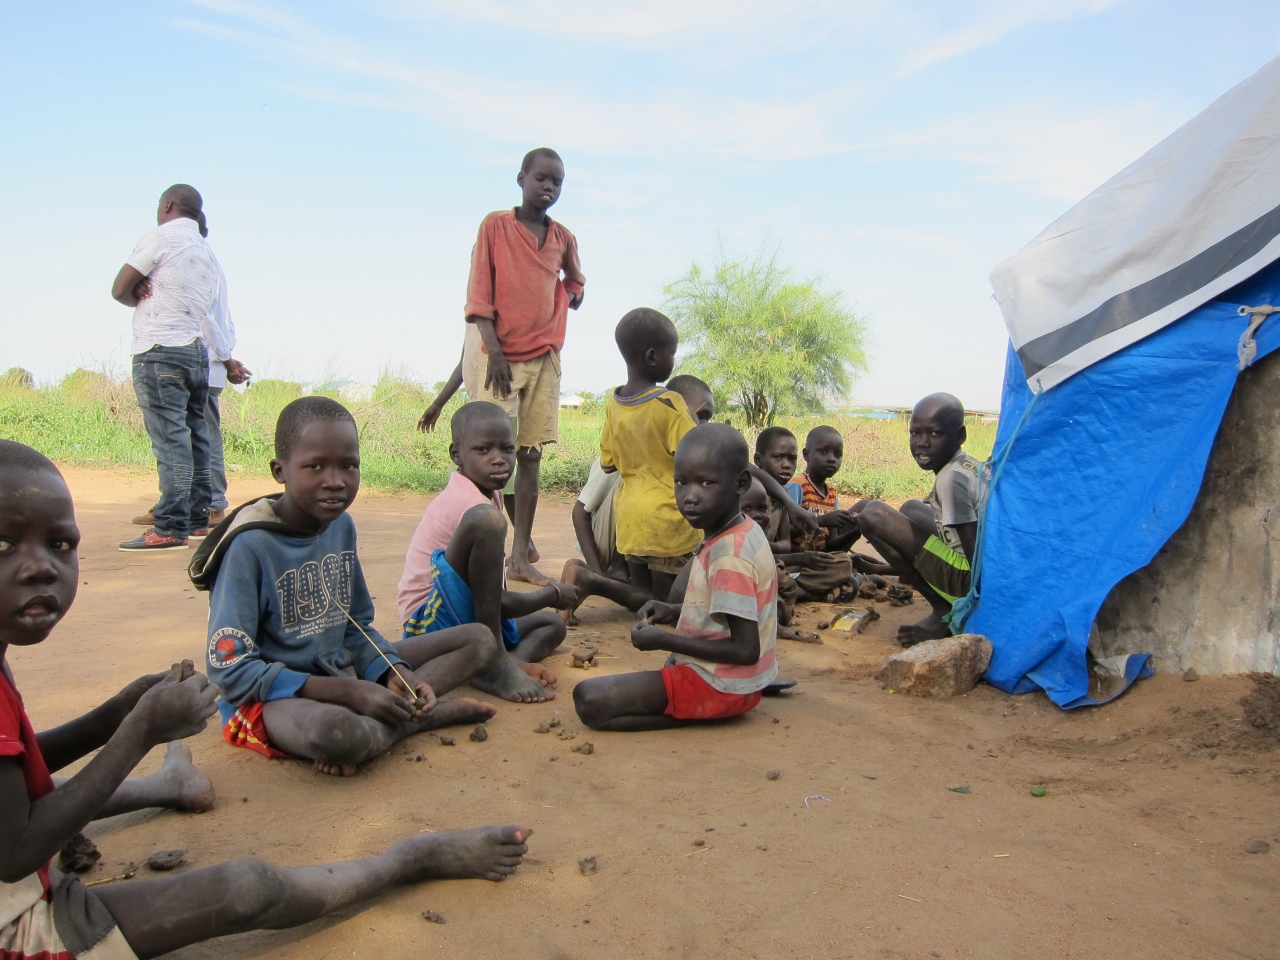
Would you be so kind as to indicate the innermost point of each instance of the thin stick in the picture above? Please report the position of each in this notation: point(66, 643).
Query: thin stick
point(407, 685)
point(912, 899)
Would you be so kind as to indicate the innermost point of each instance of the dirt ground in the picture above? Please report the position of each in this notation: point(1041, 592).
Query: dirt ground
point(858, 849)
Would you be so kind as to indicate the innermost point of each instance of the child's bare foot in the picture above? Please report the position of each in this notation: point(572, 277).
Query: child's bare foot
point(930, 628)
point(485, 853)
point(544, 675)
point(456, 710)
point(505, 679)
point(336, 769)
point(192, 790)
point(800, 636)
point(526, 572)
point(534, 555)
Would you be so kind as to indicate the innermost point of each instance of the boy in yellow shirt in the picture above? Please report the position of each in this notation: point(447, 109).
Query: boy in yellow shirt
point(643, 424)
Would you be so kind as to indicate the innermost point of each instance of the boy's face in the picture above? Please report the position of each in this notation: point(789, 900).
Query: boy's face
point(779, 459)
point(39, 565)
point(824, 454)
point(541, 182)
point(486, 452)
point(935, 439)
point(660, 361)
point(707, 490)
point(322, 475)
point(701, 406)
point(755, 504)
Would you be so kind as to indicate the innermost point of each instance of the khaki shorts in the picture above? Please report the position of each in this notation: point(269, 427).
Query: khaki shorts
point(671, 565)
point(534, 404)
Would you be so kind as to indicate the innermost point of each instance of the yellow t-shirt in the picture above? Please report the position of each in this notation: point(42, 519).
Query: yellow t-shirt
point(640, 437)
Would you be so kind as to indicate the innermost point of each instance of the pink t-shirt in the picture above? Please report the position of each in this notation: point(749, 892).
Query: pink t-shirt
point(443, 515)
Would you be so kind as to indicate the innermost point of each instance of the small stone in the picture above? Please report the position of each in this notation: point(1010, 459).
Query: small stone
point(566, 735)
point(432, 917)
point(555, 722)
point(762, 846)
point(543, 727)
point(166, 859)
point(244, 799)
point(963, 788)
point(934, 953)
point(1257, 846)
point(554, 759)
point(699, 842)
point(480, 734)
point(773, 774)
point(1191, 675)
point(446, 740)
point(711, 829)
point(587, 866)
point(586, 749)
point(1038, 790)
point(937, 668)
point(869, 776)
point(418, 759)
point(79, 855)
point(776, 720)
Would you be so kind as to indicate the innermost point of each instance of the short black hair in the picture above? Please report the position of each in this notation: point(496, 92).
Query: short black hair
point(472, 413)
point(643, 329)
point(296, 415)
point(947, 407)
point(189, 203)
point(817, 431)
point(18, 456)
point(725, 444)
point(534, 154)
point(769, 436)
point(687, 383)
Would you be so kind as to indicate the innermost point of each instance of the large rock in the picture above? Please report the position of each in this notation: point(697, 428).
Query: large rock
point(1210, 599)
point(937, 668)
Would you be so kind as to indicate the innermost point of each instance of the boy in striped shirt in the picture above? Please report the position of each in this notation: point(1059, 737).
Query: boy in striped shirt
point(724, 606)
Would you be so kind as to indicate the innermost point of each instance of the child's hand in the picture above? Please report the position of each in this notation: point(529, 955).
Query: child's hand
point(801, 519)
point(426, 697)
point(567, 595)
point(128, 698)
point(818, 559)
point(175, 711)
point(655, 611)
point(498, 377)
point(645, 636)
point(377, 702)
point(428, 421)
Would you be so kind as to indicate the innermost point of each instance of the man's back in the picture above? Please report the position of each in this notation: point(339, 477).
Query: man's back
point(185, 279)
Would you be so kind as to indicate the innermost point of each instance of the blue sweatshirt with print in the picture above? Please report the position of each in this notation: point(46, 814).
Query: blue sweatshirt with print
point(277, 613)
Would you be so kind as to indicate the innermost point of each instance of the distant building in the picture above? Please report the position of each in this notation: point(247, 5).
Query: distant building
point(351, 390)
point(572, 402)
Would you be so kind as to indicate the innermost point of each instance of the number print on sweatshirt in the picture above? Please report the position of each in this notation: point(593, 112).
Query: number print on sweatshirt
point(308, 592)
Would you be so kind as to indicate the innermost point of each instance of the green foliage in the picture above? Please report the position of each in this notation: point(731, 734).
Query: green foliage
point(764, 343)
point(93, 420)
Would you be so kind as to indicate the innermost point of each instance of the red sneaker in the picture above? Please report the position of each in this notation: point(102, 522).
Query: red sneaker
point(154, 541)
point(199, 534)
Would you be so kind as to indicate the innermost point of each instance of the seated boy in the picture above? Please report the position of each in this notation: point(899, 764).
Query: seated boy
point(929, 544)
point(453, 570)
point(292, 649)
point(725, 609)
point(46, 914)
point(603, 570)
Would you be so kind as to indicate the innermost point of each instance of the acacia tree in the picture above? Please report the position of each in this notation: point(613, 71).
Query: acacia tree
point(763, 341)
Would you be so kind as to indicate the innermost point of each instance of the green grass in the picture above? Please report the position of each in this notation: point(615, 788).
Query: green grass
point(93, 420)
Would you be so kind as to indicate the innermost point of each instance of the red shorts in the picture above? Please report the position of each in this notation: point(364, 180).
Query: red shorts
point(690, 697)
point(245, 729)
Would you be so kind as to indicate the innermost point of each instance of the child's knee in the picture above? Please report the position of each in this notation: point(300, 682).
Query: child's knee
point(873, 518)
point(257, 891)
point(479, 640)
point(483, 522)
point(344, 737)
point(589, 702)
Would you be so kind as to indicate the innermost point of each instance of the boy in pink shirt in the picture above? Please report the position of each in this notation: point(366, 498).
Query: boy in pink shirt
point(525, 277)
point(453, 571)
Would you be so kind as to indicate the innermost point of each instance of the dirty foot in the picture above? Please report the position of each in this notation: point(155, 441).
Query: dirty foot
point(800, 636)
point(534, 555)
point(507, 680)
point(336, 769)
point(456, 710)
point(544, 675)
point(485, 853)
point(930, 628)
point(526, 573)
point(192, 790)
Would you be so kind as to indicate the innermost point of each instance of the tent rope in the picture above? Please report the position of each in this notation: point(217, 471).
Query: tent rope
point(1247, 350)
point(993, 466)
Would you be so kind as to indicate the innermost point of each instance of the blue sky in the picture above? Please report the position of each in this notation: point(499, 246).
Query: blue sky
point(347, 152)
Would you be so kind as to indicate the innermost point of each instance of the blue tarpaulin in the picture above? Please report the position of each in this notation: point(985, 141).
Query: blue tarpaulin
point(1104, 470)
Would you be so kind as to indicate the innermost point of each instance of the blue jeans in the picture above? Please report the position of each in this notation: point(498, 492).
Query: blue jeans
point(217, 463)
point(172, 385)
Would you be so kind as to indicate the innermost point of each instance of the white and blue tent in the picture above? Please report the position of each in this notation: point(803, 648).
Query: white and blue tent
point(1130, 318)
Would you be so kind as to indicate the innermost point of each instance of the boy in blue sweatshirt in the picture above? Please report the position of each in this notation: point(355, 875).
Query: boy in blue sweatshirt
point(292, 650)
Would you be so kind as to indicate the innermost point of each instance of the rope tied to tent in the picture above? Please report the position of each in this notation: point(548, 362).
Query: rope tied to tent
point(993, 466)
point(1247, 350)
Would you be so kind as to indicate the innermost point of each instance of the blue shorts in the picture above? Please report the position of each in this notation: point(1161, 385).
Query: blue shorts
point(449, 605)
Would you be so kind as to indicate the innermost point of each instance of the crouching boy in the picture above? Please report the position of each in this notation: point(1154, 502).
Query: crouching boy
point(292, 649)
point(46, 915)
point(725, 610)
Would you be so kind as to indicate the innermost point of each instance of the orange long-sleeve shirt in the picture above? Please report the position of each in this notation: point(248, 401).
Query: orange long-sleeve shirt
point(520, 287)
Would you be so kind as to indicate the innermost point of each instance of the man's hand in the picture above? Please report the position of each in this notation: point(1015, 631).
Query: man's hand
point(427, 422)
point(645, 636)
point(655, 611)
point(237, 372)
point(175, 711)
point(377, 702)
point(422, 692)
point(498, 377)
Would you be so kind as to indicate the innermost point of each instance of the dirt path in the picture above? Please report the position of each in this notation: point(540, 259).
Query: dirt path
point(857, 850)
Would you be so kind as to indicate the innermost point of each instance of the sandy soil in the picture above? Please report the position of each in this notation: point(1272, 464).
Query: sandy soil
point(858, 849)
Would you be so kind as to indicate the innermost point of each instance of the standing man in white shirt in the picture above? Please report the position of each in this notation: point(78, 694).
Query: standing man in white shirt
point(175, 285)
